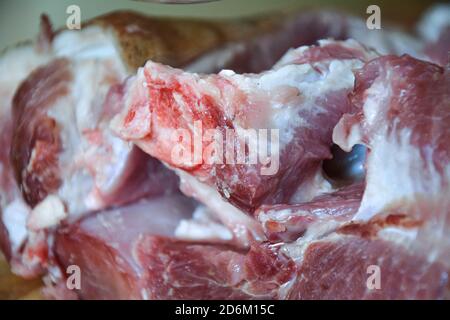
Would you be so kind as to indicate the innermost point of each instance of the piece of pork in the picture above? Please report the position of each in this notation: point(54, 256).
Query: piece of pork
point(104, 245)
point(345, 266)
point(300, 100)
point(402, 116)
point(144, 259)
point(132, 253)
point(63, 151)
point(15, 65)
point(63, 154)
point(288, 222)
point(328, 259)
point(66, 161)
point(402, 110)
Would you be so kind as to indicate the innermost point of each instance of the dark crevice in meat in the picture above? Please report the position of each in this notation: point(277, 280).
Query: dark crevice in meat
point(345, 167)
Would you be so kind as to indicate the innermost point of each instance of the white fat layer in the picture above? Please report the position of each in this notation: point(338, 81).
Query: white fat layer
point(203, 227)
point(15, 216)
point(397, 173)
point(347, 141)
point(436, 19)
point(377, 95)
point(291, 82)
point(215, 60)
point(309, 190)
point(92, 42)
point(278, 215)
point(400, 236)
point(89, 167)
point(48, 213)
point(15, 65)
point(316, 231)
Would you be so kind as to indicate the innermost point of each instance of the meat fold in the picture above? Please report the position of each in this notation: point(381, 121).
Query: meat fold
point(402, 117)
point(284, 222)
point(300, 100)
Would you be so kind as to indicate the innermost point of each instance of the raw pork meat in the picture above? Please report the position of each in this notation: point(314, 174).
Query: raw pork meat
point(104, 245)
point(137, 247)
point(396, 220)
point(65, 159)
point(91, 195)
point(15, 64)
point(402, 116)
point(302, 98)
point(288, 222)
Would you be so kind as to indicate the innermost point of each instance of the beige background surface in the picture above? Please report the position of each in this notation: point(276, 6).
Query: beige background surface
point(19, 18)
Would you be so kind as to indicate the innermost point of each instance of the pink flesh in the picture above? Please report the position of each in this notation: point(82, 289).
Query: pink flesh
point(287, 223)
point(126, 255)
point(131, 252)
point(104, 245)
point(338, 269)
point(135, 245)
point(413, 115)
